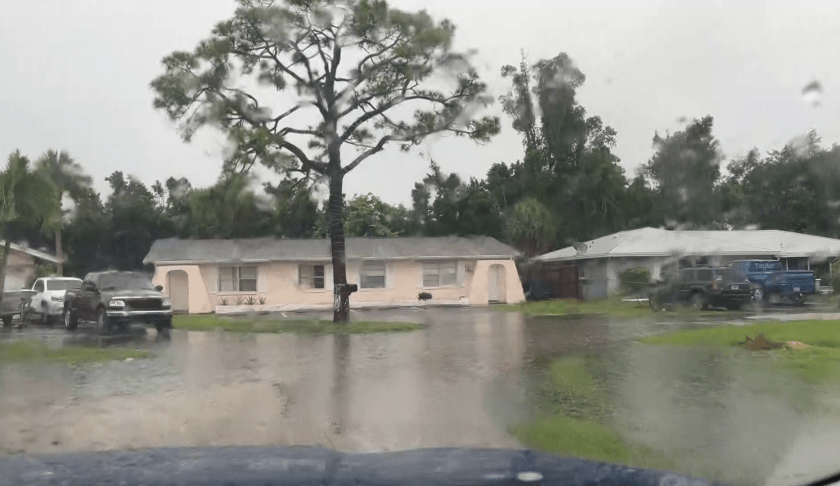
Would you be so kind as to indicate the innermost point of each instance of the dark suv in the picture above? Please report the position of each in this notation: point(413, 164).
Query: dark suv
point(702, 287)
point(115, 299)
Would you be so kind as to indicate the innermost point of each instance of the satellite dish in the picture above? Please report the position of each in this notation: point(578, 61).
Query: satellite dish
point(580, 247)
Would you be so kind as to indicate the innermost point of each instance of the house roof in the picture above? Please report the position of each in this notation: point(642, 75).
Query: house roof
point(35, 253)
point(646, 242)
point(175, 251)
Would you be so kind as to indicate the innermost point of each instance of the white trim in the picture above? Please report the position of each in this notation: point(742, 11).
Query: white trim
point(29, 251)
point(321, 259)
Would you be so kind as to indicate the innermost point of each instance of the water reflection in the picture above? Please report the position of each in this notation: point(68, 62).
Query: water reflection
point(462, 381)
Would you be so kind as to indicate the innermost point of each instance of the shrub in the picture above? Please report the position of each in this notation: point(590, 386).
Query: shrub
point(223, 301)
point(424, 296)
point(240, 300)
point(261, 300)
point(250, 300)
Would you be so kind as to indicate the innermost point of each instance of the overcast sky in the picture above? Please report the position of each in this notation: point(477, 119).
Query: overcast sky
point(75, 76)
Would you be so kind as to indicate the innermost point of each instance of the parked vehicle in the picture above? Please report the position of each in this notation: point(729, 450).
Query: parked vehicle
point(702, 288)
point(116, 299)
point(772, 283)
point(47, 301)
point(13, 304)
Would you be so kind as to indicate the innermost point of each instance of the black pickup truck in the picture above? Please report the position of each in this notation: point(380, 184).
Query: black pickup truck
point(702, 287)
point(116, 299)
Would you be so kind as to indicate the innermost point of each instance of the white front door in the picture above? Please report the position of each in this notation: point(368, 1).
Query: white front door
point(179, 291)
point(496, 290)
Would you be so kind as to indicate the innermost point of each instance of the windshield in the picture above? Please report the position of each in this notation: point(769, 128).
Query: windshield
point(385, 225)
point(125, 282)
point(64, 284)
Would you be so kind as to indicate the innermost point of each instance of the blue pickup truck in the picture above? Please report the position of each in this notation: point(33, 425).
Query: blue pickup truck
point(770, 282)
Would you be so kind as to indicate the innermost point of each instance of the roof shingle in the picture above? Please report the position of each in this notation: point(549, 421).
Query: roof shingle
point(174, 250)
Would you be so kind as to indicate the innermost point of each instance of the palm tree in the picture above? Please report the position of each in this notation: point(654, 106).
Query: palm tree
point(67, 176)
point(24, 196)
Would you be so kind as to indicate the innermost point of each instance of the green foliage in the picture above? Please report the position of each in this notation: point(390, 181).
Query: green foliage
point(297, 326)
point(308, 47)
point(531, 226)
point(634, 281)
point(686, 168)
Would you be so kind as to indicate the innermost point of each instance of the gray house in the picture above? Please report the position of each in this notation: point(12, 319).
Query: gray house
point(599, 262)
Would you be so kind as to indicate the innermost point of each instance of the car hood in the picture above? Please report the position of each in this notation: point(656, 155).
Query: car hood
point(133, 293)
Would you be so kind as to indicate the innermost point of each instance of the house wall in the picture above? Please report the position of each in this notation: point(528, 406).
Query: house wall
point(20, 270)
point(278, 284)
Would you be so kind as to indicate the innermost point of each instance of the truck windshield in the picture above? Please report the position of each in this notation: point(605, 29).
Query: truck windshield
point(70, 284)
point(131, 282)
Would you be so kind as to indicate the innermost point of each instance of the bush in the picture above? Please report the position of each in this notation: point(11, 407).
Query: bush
point(634, 281)
point(424, 296)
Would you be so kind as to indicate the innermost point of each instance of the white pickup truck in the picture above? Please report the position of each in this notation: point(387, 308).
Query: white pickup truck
point(47, 301)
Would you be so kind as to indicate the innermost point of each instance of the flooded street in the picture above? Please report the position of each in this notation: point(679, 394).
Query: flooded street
point(462, 381)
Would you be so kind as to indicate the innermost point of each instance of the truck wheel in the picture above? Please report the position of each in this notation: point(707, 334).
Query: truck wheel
point(45, 315)
point(7, 321)
point(71, 320)
point(758, 297)
point(163, 330)
point(102, 324)
point(699, 302)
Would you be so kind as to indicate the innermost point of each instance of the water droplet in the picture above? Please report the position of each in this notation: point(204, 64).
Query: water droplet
point(682, 120)
point(812, 92)
point(529, 477)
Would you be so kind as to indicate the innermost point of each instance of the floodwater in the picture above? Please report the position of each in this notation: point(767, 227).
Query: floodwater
point(461, 382)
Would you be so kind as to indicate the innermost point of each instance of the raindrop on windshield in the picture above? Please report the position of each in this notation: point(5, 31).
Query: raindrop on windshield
point(812, 92)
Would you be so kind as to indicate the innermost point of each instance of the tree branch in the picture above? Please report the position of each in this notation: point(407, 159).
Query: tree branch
point(367, 153)
point(305, 162)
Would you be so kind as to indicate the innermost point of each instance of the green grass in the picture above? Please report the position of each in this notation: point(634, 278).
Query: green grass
point(576, 424)
point(28, 351)
point(817, 364)
point(572, 307)
point(212, 322)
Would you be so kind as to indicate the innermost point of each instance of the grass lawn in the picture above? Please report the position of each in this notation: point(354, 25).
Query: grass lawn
point(576, 421)
point(572, 307)
point(210, 322)
point(28, 351)
point(819, 363)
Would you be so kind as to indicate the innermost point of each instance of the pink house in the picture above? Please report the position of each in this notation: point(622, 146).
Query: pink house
point(272, 274)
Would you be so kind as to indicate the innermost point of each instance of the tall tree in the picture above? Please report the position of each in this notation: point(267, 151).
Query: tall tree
point(531, 227)
point(25, 195)
point(69, 178)
point(686, 170)
point(354, 68)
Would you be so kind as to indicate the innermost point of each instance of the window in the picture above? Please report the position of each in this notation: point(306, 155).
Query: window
point(373, 275)
point(440, 274)
point(311, 277)
point(238, 279)
point(39, 286)
point(64, 284)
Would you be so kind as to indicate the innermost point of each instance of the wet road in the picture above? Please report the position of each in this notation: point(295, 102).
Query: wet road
point(462, 381)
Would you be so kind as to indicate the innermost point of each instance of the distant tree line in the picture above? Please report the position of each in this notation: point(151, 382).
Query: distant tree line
point(567, 187)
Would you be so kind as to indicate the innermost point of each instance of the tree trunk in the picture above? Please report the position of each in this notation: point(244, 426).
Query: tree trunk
point(4, 259)
point(341, 291)
point(59, 253)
